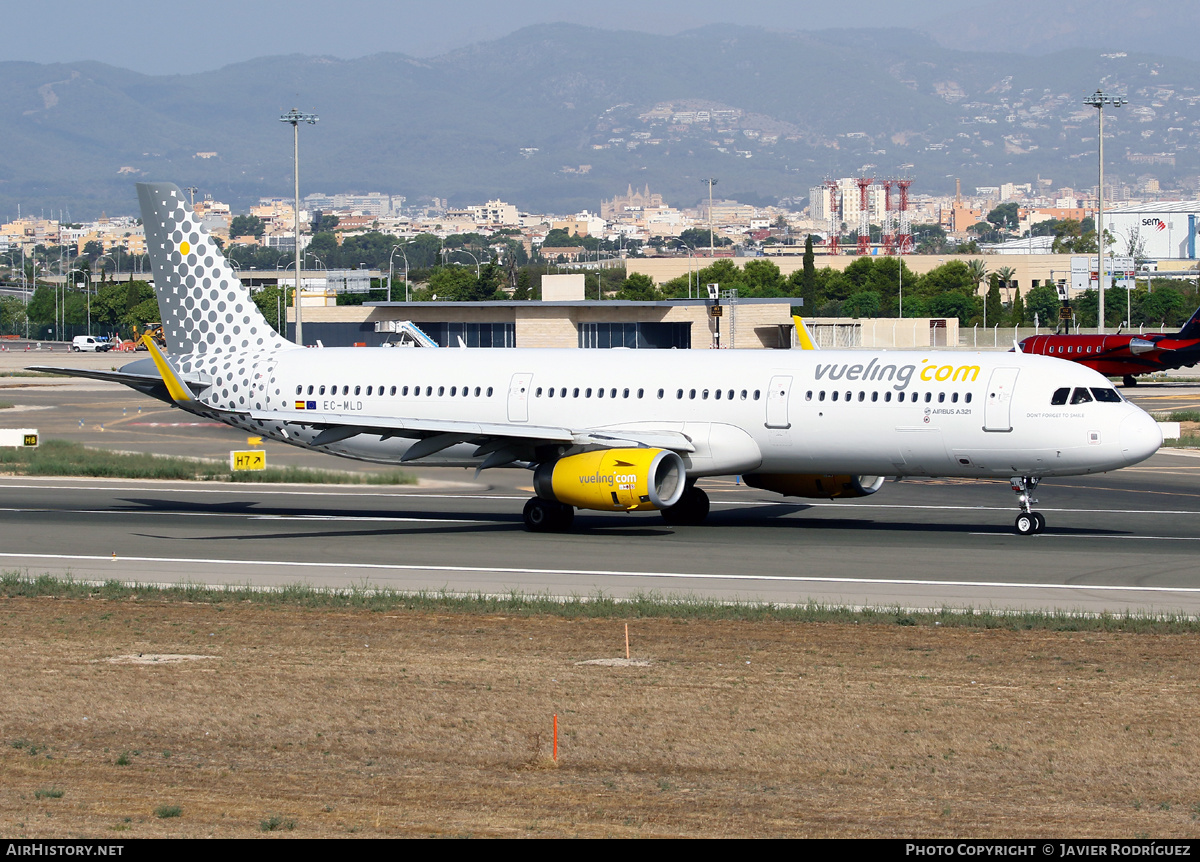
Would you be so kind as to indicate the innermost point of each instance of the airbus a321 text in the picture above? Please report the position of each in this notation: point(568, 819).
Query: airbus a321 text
point(623, 430)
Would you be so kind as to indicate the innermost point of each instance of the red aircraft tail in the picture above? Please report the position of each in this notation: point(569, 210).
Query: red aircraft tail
point(1191, 329)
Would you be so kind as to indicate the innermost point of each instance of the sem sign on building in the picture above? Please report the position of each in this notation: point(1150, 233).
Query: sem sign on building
point(1164, 230)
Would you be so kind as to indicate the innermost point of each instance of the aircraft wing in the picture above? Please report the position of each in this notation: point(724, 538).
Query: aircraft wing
point(493, 439)
point(148, 383)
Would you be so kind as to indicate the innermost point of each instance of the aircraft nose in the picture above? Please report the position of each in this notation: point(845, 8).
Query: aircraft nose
point(1140, 437)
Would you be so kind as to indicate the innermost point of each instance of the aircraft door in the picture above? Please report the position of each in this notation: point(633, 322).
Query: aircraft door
point(518, 397)
point(997, 407)
point(777, 402)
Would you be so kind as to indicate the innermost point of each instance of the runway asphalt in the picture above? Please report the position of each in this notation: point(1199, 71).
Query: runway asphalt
point(1125, 540)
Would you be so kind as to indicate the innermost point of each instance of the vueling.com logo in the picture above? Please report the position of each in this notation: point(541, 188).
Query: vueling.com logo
point(899, 375)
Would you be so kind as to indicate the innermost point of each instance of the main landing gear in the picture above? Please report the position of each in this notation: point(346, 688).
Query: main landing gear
point(1029, 521)
point(548, 516)
point(691, 509)
point(1129, 380)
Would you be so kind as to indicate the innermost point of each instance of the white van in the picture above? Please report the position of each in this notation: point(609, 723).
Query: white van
point(89, 343)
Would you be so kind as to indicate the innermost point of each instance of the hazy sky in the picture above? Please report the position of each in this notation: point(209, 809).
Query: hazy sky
point(161, 38)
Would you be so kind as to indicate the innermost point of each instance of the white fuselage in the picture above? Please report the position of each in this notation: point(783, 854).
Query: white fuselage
point(894, 413)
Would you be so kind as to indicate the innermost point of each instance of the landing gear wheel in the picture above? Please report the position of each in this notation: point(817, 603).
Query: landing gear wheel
point(1026, 524)
point(547, 516)
point(1129, 380)
point(1040, 526)
point(691, 509)
point(1029, 521)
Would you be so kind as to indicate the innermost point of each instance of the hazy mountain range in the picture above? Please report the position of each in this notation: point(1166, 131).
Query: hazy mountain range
point(557, 117)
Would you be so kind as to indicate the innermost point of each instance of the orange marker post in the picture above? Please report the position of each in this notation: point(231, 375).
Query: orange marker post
point(626, 641)
point(556, 737)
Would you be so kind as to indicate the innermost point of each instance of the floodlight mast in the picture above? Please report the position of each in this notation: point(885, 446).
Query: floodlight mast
point(295, 117)
point(1098, 100)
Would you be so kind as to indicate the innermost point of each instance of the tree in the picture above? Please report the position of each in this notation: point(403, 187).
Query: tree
point(247, 225)
point(993, 305)
point(1005, 217)
point(808, 278)
point(638, 287)
point(1017, 313)
point(1043, 303)
point(979, 272)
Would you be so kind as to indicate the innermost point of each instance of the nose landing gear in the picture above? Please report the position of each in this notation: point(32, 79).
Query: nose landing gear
point(1029, 521)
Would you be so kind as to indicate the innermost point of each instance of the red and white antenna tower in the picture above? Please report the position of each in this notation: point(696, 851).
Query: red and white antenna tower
point(864, 214)
point(904, 243)
point(835, 215)
point(889, 219)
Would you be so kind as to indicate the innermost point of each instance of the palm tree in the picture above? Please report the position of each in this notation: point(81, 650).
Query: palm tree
point(979, 272)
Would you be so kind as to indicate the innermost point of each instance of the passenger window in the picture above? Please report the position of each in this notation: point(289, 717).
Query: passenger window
point(679, 393)
point(575, 392)
point(538, 393)
point(660, 394)
point(404, 391)
point(862, 396)
point(310, 389)
point(717, 395)
point(874, 397)
point(941, 397)
point(562, 393)
point(968, 398)
point(612, 393)
point(587, 393)
point(393, 390)
point(704, 395)
point(821, 395)
point(300, 389)
point(550, 392)
point(743, 394)
point(833, 396)
point(756, 392)
point(441, 391)
point(691, 393)
point(476, 391)
point(1060, 396)
point(640, 393)
point(1081, 396)
point(887, 396)
point(625, 393)
point(453, 391)
point(322, 392)
point(600, 392)
point(808, 395)
point(489, 392)
point(954, 398)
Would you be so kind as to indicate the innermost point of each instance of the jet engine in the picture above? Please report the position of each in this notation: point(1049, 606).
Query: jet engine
point(613, 480)
point(814, 484)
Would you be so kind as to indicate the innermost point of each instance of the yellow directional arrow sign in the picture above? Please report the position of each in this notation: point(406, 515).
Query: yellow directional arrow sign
point(253, 459)
point(253, 441)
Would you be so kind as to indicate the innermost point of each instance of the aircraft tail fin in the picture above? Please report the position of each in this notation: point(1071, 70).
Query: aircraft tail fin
point(205, 308)
point(803, 336)
point(1191, 329)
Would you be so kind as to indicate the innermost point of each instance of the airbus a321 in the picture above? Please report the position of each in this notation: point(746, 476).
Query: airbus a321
point(623, 430)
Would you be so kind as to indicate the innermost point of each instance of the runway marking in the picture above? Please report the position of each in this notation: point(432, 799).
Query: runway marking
point(326, 491)
point(602, 573)
point(249, 516)
point(177, 424)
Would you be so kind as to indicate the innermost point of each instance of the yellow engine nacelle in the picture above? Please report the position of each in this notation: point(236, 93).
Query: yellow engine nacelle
point(613, 480)
point(814, 484)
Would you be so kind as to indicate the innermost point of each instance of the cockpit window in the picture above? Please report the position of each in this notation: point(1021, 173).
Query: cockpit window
point(1081, 396)
point(1107, 395)
point(1060, 396)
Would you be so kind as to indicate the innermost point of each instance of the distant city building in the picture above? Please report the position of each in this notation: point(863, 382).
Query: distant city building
point(631, 201)
point(372, 204)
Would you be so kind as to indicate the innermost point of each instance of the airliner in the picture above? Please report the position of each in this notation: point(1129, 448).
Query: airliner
point(1124, 355)
point(624, 430)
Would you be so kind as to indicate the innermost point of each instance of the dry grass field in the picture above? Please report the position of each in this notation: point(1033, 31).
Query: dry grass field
point(144, 717)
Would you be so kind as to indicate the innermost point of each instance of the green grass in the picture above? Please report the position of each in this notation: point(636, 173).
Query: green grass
point(23, 373)
point(164, 811)
point(4, 405)
point(47, 793)
point(61, 458)
point(275, 822)
point(597, 606)
point(1178, 416)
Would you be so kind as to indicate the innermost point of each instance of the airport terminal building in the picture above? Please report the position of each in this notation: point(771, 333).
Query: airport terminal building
point(677, 323)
